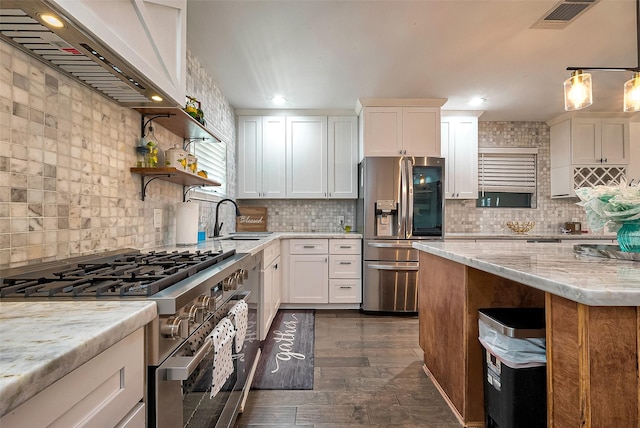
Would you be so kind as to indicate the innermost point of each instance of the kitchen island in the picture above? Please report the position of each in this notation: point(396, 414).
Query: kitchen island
point(592, 320)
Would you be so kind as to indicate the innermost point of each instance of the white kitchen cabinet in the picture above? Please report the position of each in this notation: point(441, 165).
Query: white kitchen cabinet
point(342, 151)
point(270, 295)
point(392, 129)
point(105, 391)
point(460, 150)
point(587, 152)
point(321, 272)
point(599, 141)
point(345, 271)
point(261, 157)
point(151, 35)
point(306, 157)
point(297, 157)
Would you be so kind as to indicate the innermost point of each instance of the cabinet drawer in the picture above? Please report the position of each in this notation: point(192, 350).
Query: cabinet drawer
point(344, 291)
point(309, 246)
point(345, 266)
point(270, 253)
point(345, 246)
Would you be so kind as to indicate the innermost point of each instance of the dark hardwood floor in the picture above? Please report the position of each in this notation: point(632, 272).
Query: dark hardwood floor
point(368, 372)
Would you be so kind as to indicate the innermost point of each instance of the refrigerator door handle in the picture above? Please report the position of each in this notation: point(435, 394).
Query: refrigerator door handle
point(408, 208)
point(402, 219)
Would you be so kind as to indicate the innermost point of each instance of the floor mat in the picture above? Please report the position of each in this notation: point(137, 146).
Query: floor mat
point(287, 353)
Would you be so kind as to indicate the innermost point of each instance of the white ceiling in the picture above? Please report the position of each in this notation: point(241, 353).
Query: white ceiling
point(327, 54)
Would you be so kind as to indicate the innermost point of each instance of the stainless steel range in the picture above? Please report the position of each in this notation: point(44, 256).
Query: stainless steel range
point(193, 291)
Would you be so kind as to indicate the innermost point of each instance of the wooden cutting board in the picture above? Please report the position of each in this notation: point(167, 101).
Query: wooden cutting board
point(252, 219)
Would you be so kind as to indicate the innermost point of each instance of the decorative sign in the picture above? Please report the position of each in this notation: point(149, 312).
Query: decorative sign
point(252, 219)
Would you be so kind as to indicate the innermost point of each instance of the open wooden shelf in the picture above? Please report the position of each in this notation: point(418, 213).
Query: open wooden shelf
point(180, 123)
point(172, 175)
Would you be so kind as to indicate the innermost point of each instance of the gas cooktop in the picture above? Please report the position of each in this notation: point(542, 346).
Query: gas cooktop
point(127, 274)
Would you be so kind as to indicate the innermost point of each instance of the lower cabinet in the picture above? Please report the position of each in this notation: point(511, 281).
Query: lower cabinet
point(323, 271)
point(105, 391)
point(270, 296)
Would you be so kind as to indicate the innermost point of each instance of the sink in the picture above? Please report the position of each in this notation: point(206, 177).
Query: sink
point(244, 238)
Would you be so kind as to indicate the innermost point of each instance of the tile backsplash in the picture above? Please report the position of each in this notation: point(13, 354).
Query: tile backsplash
point(66, 189)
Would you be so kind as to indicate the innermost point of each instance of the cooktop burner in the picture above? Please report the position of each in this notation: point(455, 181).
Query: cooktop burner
point(119, 276)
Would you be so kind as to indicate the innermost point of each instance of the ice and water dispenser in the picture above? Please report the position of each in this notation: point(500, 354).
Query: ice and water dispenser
point(386, 218)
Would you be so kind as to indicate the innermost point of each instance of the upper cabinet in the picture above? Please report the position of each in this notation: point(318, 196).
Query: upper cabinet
point(342, 161)
point(397, 127)
point(297, 157)
point(459, 132)
point(261, 157)
point(306, 157)
point(149, 34)
point(587, 151)
point(599, 141)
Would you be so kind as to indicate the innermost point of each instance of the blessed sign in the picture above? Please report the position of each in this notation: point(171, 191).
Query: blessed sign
point(252, 219)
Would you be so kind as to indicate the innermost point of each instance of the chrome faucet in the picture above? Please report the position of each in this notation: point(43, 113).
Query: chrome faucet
point(216, 227)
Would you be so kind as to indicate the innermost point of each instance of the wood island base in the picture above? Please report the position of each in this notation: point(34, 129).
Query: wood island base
point(592, 351)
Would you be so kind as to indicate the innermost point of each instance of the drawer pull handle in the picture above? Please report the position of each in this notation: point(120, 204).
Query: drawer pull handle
point(345, 246)
point(308, 246)
point(345, 263)
point(345, 286)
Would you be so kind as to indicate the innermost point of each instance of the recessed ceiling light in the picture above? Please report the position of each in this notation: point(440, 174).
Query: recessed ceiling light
point(278, 100)
point(52, 20)
point(476, 101)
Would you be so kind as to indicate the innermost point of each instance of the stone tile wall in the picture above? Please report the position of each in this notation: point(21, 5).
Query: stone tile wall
point(549, 214)
point(65, 154)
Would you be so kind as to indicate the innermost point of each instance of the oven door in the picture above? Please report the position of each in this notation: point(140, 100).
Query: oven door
point(183, 380)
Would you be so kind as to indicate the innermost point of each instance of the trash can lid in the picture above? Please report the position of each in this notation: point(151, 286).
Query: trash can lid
point(515, 322)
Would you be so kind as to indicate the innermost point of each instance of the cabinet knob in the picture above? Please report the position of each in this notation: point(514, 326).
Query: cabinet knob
point(605, 160)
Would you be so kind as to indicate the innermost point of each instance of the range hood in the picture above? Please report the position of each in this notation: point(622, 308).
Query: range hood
point(73, 50)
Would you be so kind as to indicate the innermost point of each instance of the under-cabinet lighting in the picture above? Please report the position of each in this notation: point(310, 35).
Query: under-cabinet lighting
point(52, 20)
point(156, 98)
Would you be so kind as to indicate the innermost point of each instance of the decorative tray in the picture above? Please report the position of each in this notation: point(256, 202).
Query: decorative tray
point(605, 251)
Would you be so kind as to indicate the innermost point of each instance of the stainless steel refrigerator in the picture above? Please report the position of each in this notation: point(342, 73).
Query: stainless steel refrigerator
point(400, 200)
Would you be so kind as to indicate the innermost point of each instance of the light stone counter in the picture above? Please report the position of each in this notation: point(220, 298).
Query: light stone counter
point(255, 246)
point(550, 267)
point(43, 341)
point(452, 236)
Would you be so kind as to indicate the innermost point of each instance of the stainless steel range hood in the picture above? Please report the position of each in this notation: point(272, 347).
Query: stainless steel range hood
point(73, 50)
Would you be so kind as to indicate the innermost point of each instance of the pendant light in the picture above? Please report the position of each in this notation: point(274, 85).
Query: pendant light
point(578, 92)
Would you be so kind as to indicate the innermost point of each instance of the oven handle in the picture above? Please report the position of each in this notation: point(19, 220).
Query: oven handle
point(180, 368)
point(412, 266)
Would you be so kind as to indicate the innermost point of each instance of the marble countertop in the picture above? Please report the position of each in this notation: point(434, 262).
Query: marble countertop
point(255, 246)
point(43, 341)
point(551, 267)
point(529, 236)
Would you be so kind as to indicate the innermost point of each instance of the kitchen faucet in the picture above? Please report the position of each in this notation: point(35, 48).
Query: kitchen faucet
point(216, 227)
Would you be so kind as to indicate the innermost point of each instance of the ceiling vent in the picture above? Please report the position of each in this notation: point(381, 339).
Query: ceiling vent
point(563, 13)
point(76, 53)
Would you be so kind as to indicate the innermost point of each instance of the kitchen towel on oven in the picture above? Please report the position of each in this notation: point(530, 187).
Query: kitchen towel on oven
point(240, 313)
point(222, 361)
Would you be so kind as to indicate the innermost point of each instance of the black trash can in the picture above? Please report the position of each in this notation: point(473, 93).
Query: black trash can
point(514, 368)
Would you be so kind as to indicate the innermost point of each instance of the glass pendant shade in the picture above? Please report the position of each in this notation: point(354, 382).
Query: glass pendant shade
point(632, 93)
point(577, 91)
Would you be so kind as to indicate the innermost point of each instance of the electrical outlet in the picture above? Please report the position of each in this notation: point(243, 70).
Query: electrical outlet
point(157, 218)
point(341, 219)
